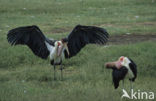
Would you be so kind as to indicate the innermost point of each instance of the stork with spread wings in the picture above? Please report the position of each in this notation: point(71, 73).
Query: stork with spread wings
point(57, 50)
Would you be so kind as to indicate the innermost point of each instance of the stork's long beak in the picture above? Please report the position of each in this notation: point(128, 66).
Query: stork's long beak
point(66, 47)
point(116, 64)
point(110, 65)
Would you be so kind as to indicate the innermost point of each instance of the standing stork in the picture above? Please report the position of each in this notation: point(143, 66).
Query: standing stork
point(67, 47)
point(123, 67)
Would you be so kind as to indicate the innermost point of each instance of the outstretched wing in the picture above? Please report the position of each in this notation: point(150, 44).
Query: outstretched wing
point(31, 36)
point(82, 35)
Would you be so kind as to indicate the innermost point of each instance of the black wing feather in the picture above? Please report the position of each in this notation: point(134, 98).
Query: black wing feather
point(31, 36)
point(82, 35)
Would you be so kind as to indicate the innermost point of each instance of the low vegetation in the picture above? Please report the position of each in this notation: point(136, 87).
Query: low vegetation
point(25, 77)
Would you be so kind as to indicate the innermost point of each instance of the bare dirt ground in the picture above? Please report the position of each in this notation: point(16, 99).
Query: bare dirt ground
point(69, 29)
point(133, 38)
point(123, 38)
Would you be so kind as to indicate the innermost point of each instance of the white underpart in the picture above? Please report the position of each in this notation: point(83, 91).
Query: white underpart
point(125, 63)
point(53, 52)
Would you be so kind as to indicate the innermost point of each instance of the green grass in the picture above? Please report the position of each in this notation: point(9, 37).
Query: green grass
point(25, 77)
point(52, 14)
point(85, 77)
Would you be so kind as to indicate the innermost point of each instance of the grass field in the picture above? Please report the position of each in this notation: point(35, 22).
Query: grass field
point(25, 77)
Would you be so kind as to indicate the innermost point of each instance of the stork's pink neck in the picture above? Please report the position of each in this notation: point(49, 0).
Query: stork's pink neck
point(59, 49)
point(59, 43)
point(118, 64)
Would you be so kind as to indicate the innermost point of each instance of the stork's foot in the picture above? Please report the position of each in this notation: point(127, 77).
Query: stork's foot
point(54, 73)
point(61, 79)
point(55, 79)
point(61, 75)
point(61, 68)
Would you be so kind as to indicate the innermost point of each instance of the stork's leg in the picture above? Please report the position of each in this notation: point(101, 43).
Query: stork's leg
point(61, 71)
point(131, 84)
point(54, 72)
point(122, 84)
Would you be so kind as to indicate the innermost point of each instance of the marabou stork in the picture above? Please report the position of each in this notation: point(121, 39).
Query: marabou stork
point(123, 67)
point(67, 47)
